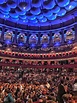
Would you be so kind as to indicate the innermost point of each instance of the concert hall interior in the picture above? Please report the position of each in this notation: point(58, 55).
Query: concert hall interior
point(38, 51)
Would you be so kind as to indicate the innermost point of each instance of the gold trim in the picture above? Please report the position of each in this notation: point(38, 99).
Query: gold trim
point(38, 59)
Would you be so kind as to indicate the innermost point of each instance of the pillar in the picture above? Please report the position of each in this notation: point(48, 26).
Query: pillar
point(63, 39)
point(27, 41)
point(50, 39)
point(3, 31)
point(75, 27)
point(39, 34)
point(15, 37)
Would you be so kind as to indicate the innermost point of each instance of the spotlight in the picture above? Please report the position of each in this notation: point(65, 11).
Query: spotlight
point(69, 41)
point(8, 42)
point(57, 44)
point(32, 45)
point(20, 44)
point(44, 46)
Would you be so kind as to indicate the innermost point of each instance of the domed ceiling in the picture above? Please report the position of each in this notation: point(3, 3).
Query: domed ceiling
point(35, 12)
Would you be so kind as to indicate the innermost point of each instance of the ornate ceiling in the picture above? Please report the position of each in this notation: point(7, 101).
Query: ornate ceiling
point(35, 12)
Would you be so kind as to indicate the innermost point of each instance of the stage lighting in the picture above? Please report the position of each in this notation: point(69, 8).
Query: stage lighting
point(20, 44)
point(44, 46)
point(57, 44)
point(69, 41)
point(8, 42)
point(32, 45)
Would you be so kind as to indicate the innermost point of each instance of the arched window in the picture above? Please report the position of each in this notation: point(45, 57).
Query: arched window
point(33, 39)
point(45, 39)
point(21, 38)
point(56, 37)
point(69, 35)
point(8, 35)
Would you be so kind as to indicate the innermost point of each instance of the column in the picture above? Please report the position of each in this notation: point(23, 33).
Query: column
point(2, 35)
point(27, 41)
point(39, 34)
point(75, 27)
point(15, 37)
point(62, 33)
point(50, 39)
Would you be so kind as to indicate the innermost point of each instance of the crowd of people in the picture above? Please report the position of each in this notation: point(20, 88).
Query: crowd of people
point(36, 85)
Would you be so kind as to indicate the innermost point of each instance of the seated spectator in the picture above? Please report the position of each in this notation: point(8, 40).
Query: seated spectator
point(8, 98)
